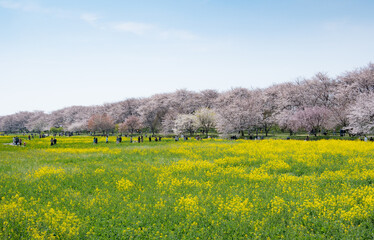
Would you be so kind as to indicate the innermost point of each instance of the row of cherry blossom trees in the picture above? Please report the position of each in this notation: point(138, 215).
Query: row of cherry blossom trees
point(313, 105)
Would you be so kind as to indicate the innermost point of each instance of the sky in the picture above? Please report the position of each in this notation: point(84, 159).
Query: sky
point(55, 54)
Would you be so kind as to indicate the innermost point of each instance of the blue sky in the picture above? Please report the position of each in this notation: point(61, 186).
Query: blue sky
point(55, 54)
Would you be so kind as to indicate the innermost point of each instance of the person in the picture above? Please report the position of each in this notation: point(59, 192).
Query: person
point(54, 141)
point(20, 142)
point(156, 139)
point(130, 139)
point(365, 138)
point(106, 140)
point(138, 139)
point(307, 138)
point(94, 140)
point(371, 139)
point(150, 139)
point(51, 141)
point(29, 137)
point(141, 138)
point(159, 138)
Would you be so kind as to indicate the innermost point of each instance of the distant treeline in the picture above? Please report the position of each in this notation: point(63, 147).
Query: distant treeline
point(314, 105)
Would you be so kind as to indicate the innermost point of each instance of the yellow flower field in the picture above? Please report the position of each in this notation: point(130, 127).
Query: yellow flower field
point(210, 189)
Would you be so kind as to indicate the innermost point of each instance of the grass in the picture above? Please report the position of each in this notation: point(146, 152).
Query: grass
point(210, 189)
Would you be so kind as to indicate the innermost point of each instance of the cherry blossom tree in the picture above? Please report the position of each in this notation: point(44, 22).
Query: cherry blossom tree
point(121, 110)
point(168, 122)
point(350, 86)
point(16, 122)
point(359, 81)
point(100, 123)
point(267, 108)
point(130, 125)
point(207, 98)
point(238, 110)
point(183, 102)
point(205, 118)
point(185, 123)
point(361, 115)
point(38, 122)
point(314, 119)
point(78, 126)
point(153, 110)
point(287, 120)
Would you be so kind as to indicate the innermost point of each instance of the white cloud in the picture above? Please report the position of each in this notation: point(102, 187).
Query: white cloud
point(137, 28)
point(10, 5)
point(27, 7)
point(89, 18)
point(178, 34)
point(153, 30)
point(33, 7)
point(133, 27)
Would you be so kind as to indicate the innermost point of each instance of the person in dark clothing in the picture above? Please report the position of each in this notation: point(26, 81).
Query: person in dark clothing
point(150, 139)
point(138, 139)
point(159, 138)
point(156, 139)
point(54, 141)
point(141, 138)
point(51, 141)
